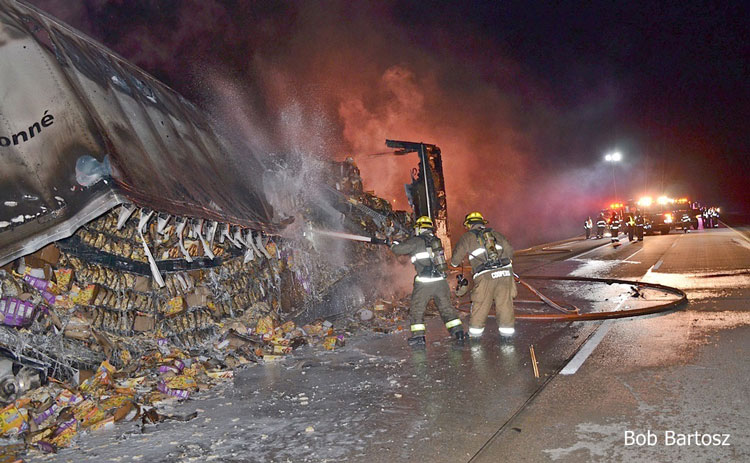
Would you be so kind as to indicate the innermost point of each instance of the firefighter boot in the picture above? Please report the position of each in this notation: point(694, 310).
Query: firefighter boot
point(458, 333)
point(417, 341)
point(506, 333)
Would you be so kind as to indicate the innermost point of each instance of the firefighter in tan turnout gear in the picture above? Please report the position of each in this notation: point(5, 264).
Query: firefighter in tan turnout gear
point(428, 257)
point(490, 256)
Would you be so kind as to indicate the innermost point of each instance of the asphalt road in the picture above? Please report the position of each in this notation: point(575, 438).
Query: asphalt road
point(378, 400)
point(668, 376)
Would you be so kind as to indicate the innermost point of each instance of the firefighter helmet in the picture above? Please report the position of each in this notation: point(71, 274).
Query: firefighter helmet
point(473, 218)
point(424, 222)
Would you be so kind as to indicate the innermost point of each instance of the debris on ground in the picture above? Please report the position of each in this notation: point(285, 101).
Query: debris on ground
point(182, 260)
point(138, 311)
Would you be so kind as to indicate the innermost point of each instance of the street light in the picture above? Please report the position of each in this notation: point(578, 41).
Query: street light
point(613, 157)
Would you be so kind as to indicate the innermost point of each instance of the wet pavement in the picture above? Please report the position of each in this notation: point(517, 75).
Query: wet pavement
point(378, 400)
point(664, 376)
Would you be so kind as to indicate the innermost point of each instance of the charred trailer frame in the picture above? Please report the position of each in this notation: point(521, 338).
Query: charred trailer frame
point(426, 192)
point(83, 130)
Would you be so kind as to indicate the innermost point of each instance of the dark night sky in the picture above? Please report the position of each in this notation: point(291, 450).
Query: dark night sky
point(525, 96)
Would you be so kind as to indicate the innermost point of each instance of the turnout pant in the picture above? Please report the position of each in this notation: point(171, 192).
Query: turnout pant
point(615, 231)
point(421, 295)
point(501, 290)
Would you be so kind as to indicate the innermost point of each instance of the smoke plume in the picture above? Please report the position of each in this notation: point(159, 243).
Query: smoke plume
point(330, 79)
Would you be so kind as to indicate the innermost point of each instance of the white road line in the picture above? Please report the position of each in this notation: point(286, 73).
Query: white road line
point(741, 243)
point(580, 357)
point(738, 232)
point(647, 274)
point(588, 347)
point(661, 260)
point(588, 252)
point(628, 258)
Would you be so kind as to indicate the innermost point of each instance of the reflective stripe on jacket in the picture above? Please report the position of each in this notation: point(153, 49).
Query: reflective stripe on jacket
point(469, 246)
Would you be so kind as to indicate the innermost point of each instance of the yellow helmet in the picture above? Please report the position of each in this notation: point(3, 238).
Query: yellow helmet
point(473, 218)
point(424, 222)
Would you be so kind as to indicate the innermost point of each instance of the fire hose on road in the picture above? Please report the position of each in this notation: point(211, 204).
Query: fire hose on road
point(565, 314)
point(545, 299)
point(568, 315)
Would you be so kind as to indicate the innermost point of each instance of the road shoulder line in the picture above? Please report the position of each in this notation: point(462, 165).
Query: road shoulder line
point(583, 353)
point(736, 231)
point(575, 256)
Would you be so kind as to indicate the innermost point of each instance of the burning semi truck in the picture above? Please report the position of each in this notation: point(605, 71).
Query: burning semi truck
point(131, 238)
point(124, 221)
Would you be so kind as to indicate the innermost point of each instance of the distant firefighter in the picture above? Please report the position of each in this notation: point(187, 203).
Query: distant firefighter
point(614, 228)
point(601, 225)
point(631, 227)
point(713, 217)
point(639, 224)
point(588, 224)
point(490, 255)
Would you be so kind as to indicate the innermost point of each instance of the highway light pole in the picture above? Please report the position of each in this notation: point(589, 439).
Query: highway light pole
point(613, 158)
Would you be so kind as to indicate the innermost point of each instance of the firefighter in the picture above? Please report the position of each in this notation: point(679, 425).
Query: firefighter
point(601, 224)
point(427, 255)
point(685, 222)
point(639, 223)
point(588, 225)
point(631, 227)
point(490, 256)
point(614, 228)
point(714, 217)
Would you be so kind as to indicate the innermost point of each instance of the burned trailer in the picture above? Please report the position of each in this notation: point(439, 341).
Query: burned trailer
point(138, 262)
point(125, 221)
point(426, 192)
point(83, 130)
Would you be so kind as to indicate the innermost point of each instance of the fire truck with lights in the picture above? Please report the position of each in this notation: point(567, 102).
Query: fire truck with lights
point(657, 214)
point(686, 214)
point(665, 214)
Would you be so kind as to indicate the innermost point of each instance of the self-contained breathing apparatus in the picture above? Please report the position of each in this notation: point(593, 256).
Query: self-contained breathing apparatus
point(490, 249)
point(438, 267)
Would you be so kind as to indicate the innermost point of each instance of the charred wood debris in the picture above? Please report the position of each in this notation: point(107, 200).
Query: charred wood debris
point(139, 310)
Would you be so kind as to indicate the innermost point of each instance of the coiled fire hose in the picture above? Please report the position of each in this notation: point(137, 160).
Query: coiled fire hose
point(545, 299)
point(568, 315)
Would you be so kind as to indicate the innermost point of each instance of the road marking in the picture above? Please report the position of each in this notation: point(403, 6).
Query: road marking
point(587, 252)
point(627, 259)
point(741, 243)
point(647, 274)
point(738, 232)
point(660, 261)
point(556, 243)
point(588, 347)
